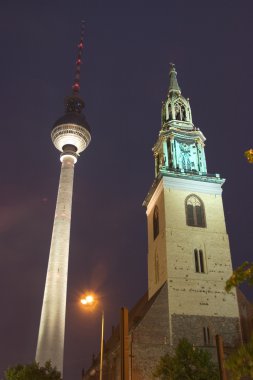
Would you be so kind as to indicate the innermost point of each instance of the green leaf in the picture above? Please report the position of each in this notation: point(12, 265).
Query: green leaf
point(187, 363)
point(32, 371)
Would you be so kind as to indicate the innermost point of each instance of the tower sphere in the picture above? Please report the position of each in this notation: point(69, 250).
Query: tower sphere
point(71, 132)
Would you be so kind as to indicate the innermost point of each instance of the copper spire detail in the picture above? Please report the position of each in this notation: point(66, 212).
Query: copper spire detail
point(173, 84)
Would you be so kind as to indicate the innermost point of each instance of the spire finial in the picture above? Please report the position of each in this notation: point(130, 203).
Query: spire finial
point(76, 85)
point(173, 85)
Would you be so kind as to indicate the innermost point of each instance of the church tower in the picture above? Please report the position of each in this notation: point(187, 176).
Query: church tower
point(71, 136)
point(188, 246)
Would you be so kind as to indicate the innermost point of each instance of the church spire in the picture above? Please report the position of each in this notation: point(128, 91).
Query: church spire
point(180, 145)
point(173, 83)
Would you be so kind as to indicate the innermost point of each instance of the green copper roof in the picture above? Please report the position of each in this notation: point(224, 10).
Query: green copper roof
point(173, 84)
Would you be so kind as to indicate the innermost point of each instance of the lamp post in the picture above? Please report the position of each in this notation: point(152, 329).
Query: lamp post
point(102, 346)
point(221, 358)
point(89, 300)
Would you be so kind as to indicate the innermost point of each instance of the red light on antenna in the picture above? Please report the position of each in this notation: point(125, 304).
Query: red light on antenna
point(80, 45)
point(76, 87)
point(78, 62)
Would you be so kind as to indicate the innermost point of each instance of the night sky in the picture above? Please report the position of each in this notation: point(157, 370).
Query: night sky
point(128, 48)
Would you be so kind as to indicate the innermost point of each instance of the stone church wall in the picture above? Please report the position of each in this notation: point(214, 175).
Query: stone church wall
point(150, 339)
point(191, 328)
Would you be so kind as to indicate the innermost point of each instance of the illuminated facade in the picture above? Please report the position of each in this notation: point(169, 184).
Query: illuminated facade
point(189, 257)
point(188, 246)
point(71, 136)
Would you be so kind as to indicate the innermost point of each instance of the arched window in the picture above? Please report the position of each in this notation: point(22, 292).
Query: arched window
point(183, 113)
point(169, 112)
point(180, 111)
point(156, 222)
point(195, 213)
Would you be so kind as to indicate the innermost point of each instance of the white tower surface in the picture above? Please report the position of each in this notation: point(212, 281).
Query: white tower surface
point(70, 135)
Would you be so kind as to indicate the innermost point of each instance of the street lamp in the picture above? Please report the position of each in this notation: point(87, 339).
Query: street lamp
point(89, 300)
point(249, 155)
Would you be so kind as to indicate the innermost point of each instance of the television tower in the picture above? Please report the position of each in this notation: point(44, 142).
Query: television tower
point(71, 136)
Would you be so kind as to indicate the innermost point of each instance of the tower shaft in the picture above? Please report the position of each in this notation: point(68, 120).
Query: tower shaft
point(50, 344)
point(71, 136)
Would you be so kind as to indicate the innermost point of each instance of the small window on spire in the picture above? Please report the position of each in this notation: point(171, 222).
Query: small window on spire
point(169, 112)
point(180, 111)
point(177, 112)
point(183, 113)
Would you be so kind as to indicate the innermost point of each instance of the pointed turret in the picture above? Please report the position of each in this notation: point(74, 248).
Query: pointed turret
point(180, 145)
point(176, 110)
point(173, 83)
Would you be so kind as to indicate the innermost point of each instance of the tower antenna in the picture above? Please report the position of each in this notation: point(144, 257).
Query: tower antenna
point(80, 47)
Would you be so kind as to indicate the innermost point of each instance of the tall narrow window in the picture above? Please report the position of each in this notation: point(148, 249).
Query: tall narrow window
point(183, 113)
point(180, 111)
point(156, 222)
point(156, 268)
point(207, 336)
point(195, 213)
point(169, 112)
point(196, 258)
point(199, 261)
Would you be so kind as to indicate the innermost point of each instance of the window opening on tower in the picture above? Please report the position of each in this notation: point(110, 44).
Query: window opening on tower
point(180, 112)
point(156, 268)
point(199, 261)
point(207, 336)
point(155, 222)
point(195, 213)
point(169, 112)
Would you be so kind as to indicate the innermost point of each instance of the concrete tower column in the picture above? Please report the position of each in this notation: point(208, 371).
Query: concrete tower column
point(71, 136)
point(52, 324)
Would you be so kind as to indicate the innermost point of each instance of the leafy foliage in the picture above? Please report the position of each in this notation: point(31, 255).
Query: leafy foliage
point(32, 372)
point(243, 273)
point(188, 363)
point(240, 362)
